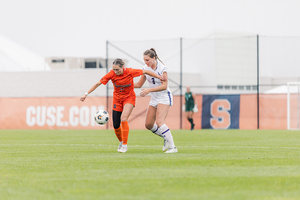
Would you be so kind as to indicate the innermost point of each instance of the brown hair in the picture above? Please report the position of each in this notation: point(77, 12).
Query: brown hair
point(119, 62)
point(152, 54)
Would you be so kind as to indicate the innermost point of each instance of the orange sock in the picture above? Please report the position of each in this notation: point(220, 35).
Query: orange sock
point(125, 132)
point(118, 133)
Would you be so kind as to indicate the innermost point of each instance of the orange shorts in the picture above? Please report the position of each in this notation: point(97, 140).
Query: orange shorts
point(118, 103)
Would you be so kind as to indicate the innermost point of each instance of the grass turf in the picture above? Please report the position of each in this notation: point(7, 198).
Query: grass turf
point(210, 164)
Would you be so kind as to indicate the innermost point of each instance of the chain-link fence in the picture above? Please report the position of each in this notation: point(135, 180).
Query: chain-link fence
point(221, 65)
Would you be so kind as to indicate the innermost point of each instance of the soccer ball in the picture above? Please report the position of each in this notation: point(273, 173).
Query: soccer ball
point(101, 117)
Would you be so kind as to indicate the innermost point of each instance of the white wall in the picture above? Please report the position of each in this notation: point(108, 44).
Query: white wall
point(67, 83)
point(57, 83)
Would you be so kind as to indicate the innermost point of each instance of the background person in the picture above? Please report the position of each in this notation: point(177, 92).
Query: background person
point(123, 97)
point(190, 107)
point(161, 99)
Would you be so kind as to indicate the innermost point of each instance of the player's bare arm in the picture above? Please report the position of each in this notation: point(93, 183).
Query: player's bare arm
point(150, 73)
point(82, 98)
point(163, 86)
point(141, 82)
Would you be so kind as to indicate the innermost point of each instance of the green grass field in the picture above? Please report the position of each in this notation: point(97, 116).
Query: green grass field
point(210, 164)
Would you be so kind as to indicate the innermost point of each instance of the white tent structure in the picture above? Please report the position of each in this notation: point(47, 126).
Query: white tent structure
point(282, 90)
point(14, 57)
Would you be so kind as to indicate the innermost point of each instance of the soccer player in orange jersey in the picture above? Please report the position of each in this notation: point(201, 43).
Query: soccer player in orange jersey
point(123, 97)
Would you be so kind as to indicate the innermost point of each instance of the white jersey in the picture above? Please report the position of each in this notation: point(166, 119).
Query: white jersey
point(164, 96)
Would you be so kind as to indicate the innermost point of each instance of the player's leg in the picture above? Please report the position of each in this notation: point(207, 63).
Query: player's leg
point(150, 117)
point(192, 120)
point(127, 109)
point(152, 126)
point(117, 127)
point(187, 114)
point(150, 120)
point(161, 114)
point(117, 113)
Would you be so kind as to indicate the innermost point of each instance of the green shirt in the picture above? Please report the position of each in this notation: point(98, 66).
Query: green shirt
point(189, 100)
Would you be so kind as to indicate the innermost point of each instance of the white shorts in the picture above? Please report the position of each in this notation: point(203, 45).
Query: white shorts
point(165, 99)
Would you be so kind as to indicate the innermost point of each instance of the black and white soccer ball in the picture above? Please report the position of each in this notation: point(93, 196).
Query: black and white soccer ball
point(101, 117)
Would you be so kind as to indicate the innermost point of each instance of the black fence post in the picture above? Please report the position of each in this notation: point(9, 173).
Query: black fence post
point(180, 83)
point(106, 65)
point(257, 81)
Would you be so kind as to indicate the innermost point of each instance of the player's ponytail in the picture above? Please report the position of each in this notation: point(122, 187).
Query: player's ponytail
point(119, 62)
point(152, 54)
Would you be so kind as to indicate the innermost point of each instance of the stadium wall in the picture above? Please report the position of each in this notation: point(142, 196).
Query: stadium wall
point(50, 100)
point(215, 112)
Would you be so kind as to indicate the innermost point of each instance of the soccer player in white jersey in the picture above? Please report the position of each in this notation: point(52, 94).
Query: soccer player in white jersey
point(161, 99)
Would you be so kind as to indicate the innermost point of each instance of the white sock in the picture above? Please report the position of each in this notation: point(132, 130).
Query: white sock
point(165, 131)
point(156, 130)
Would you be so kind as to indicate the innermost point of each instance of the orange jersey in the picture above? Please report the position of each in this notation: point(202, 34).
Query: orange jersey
point(123, 84)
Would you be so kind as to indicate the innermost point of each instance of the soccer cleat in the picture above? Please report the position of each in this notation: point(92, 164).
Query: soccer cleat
point(120, 146)
point(192, 128)
point(172, 150)
point(166, 145)
point(123, 149)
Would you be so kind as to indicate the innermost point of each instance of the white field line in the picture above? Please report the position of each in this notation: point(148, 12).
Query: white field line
point(143, 146)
